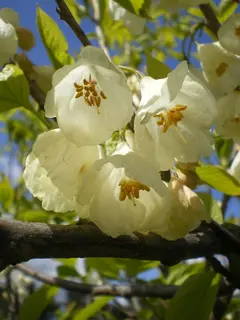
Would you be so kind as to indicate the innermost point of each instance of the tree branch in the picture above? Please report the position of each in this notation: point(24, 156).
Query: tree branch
point(21, 241)
point(66, 15)
point(126, 290)
point(212, 22)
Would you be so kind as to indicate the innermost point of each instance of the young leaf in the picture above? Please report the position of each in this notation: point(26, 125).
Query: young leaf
point(156, 69)
point(74, 8)
point(219, 179)
point(14, 89)
point(91, 309)
point(53, 40)
point(6, 194)
point(195, 298)
point(211, 207)
point(33, 216)
point(36, 303)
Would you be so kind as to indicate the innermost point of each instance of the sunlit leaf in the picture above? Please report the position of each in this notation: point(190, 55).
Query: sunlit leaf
point(91, 309)
point(53, 40)
point(211, 206)
point(6, 194)
point(33, 216)
point(156, 69)
point(74, 8)
point(219, 179)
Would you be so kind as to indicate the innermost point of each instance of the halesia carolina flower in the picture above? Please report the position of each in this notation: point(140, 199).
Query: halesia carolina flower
point(220, 67)
point(228, 119)
point(174, 5)
point(186, 213)
point(174, 119)
point(90, 98)
point(235, 167)
point(124, 193)
point(55, 169)
point(8, 42)
point(229, 34)
point(133, 23)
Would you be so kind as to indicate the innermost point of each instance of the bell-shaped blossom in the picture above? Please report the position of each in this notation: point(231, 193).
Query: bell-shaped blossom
point(174, 5)
point(228, 119)
point(55, 169)
point(10, 16)
point(186, 213)
point(229, 34)
point(174, 119)
point(133, 23)
point(124, 193)
point(8, 42)
point(220, 67)
point(90, 98)
point(235, 167)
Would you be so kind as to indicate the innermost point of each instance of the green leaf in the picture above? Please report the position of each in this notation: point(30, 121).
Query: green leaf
point(195, 298)
point(6, 194)
point(33, 216)
point(132, 6)
point(226, 8)
point(224, 149)
point(107, 267)
point(156, 69)
point(67, 271)
point(14, 89)
point(181, 272)
point(219, 179)
point(74, 8)
point(91, 309)
point(211, 206)
point(53, 40)
point(36, 303)
point(133, 267)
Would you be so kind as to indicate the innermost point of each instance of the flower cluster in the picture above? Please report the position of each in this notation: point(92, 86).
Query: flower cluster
point(123, 192)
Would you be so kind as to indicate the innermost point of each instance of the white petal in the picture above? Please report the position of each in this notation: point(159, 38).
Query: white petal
point(235, 167)
point(228, 34)
point(40, 185)
point(175, 80)
point(64, 162)
point(221, 68)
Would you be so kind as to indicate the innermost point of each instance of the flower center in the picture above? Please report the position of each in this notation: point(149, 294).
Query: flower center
point(89, 91)
point(237, 31)
point(221, 69)
point(130, 189)
point(169, 117)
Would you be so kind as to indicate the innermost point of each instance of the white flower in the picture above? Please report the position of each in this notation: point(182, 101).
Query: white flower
point(124, 193)
point(186, 213)
point(134, 86)
point(229, 34)
point(174, 5)
point(9, 16)
point(134, 23)
point(235, 167)
point(8, 42)
point(174, 119)
point(90, 98)
point(220, 67)
point(228, 118)
point(55, 168)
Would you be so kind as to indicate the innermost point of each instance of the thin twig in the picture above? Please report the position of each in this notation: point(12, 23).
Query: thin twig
point(137, 290)
point(127, 290)
point(66, 15)
point(212, 22)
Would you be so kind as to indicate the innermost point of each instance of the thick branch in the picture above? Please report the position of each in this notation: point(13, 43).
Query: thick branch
point(66, 15)
point(211, 20)
point(21, 241)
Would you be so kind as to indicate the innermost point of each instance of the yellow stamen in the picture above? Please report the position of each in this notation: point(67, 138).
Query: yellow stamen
point(89, 90)
point(221, 69)
point(130, 189)
point(169, 117)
